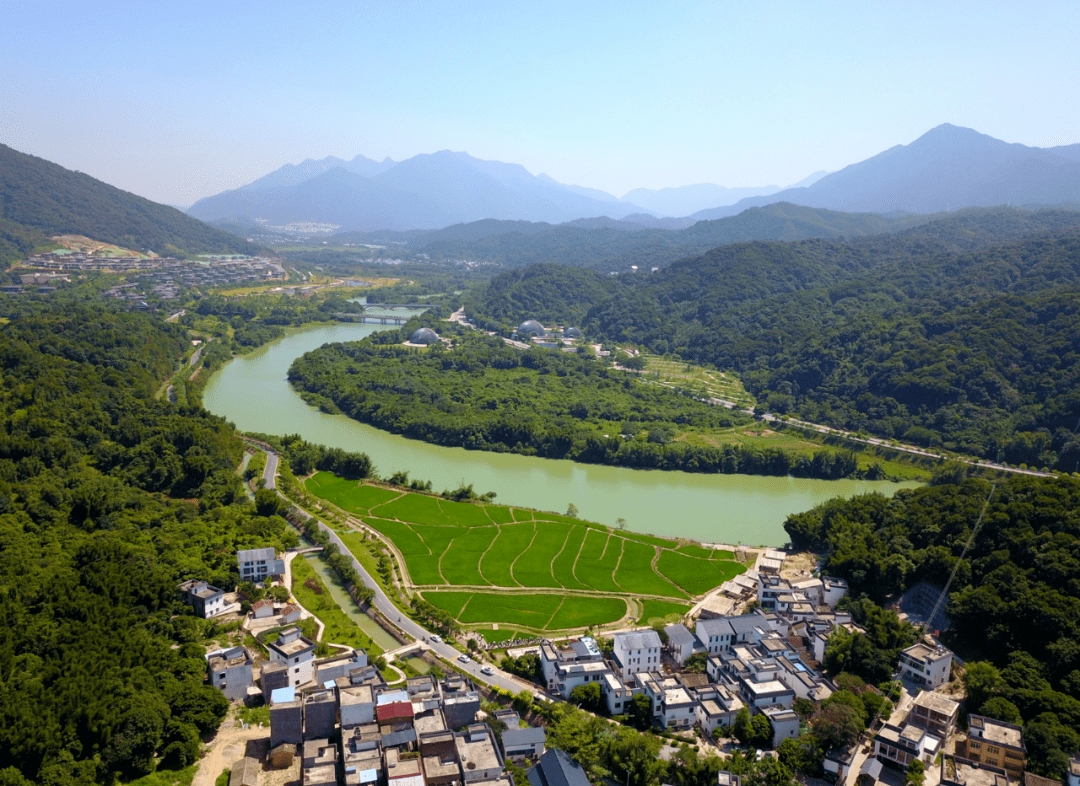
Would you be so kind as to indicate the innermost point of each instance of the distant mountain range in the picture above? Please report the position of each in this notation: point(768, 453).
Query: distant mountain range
point(40, 199)
point(945, 169)
point(423, 192)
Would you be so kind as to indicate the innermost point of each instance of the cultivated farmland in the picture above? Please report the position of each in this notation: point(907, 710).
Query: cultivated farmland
point(534, 570)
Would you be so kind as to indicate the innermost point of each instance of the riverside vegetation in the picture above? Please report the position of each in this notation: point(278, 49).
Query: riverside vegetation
point(959, 334)
point(485, 395)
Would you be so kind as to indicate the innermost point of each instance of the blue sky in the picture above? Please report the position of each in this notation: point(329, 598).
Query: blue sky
point(183, 100)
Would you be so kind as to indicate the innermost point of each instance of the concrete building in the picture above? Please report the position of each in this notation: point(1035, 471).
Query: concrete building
point(320, 714)
point(785, 724)
point(330, 669)
point(439, 756)
point(925, 665)
point(286, 718)
point(479, 755)
point(995, 743)
point(681, 643)
point(230, 672)
point(460, 700)
point(936, 713)
point(637, 652)
point(207, 601)
point(297, 653)
point(556, 768)
point(402, 772)
point(566, 668)
point(258, 564)
point(1073, 776)
point(717, 705)
point(903, 744)
point(958, 772)
point(522, 745)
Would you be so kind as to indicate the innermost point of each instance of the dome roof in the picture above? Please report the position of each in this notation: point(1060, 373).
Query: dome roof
point(423, 336)
point(532, 327)
point(571, 332)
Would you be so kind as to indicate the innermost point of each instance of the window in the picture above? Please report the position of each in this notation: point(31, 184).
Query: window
point(991, 749)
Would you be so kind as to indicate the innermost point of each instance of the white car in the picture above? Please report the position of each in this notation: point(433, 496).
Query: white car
point(487, 670)
point(435, 637)
point(464, 658)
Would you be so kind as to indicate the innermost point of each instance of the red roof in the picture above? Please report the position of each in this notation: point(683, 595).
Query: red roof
point(394, 711)
point(262, 603)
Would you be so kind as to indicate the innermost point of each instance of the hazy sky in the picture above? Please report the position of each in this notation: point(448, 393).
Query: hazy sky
point(177, 101)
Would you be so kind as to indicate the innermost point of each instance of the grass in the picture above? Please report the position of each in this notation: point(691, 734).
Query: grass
point(313, 595)
point(596, 563)
point(461, 563)
point(182, 777)
point(492, 636)
point(254, 715)
point(708, 382)
point(582, 613)
point(533, 567)
point(450, 544)
point(658, 609)
point(549, 611)
point(635, 573)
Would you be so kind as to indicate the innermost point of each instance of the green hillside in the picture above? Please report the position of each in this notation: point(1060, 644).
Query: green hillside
point(959, 334)
point(39, 199)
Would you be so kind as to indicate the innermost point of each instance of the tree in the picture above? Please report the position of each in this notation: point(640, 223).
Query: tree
point(762, 732)
point(983, 681)
point(640, 711)
point(742, 730)
point(523, 701)
point(571, 510)
point(838, 725)
point(588, 696)
point(916, 773)
point(1001, 709)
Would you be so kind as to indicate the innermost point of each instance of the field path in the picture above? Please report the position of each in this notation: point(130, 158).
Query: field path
point(442, 556)
point(573, 568)
point(555, 613)
point(551, 567)
point(655, 565)
point(480, 562)
point(512, 564)
point(614, 573)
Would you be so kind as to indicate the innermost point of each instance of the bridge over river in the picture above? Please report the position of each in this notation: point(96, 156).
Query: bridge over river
point(383, 318)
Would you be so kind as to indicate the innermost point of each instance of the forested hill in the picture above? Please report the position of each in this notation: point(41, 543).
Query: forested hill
point(961, 334)
point(39, 199)
point(1015, 600)
point(616, 249)
point(108, 498)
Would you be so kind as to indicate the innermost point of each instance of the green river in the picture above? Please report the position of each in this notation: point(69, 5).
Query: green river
point(253, 393)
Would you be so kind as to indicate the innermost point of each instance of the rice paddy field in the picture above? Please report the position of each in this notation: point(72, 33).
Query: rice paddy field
point(537, 571)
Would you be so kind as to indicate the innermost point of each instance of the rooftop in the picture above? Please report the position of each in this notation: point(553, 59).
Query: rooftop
point(996, 731)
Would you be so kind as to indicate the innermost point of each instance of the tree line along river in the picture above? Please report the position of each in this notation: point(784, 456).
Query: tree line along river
point(253, 393)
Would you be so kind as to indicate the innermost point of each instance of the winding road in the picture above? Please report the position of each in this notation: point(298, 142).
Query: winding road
point(404, 623)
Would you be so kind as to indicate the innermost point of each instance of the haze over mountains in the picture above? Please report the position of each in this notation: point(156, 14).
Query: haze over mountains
point(945, 169)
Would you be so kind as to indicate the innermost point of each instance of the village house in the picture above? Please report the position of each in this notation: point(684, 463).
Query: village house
point(297, 652)
point(230, 671)
point(926, 665)
point(206, 600)
point(996, 743)
point(258, 564)
point(636, 652)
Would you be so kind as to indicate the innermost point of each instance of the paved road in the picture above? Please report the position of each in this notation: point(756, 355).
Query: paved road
point(410, 627)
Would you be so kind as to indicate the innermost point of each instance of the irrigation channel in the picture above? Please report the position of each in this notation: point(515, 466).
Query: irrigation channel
point(252, 391)
point(370, 627)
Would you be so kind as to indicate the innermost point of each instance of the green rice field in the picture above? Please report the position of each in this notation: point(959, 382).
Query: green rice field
point(449, 544)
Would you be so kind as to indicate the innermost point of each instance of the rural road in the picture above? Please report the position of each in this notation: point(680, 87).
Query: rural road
point(499, 679)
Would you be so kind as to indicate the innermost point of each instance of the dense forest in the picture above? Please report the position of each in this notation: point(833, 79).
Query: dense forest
point(39, 199)
point(108, 498)
point(485, 395)
point(960, 334)
point(1015, 600)
point(621, 244)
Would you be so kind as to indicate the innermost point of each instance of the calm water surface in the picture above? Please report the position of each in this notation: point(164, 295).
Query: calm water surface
point(252, 392)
